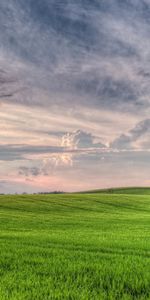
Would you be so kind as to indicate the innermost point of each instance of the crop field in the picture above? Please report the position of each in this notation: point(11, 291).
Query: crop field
point(75, 246)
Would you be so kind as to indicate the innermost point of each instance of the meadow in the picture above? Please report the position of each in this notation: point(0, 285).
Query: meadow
point(75, 246)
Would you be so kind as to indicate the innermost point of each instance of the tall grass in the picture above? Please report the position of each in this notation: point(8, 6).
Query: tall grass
point(89, 246)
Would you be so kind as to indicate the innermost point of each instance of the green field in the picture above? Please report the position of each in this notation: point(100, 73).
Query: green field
point(126, 190)
point(77, 246)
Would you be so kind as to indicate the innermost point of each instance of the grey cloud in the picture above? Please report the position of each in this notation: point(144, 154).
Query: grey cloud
point(108, 91)
point(19, 152)
point(57, 42)
point(11, 87)
point(74, 147)
point(6, 85)
point(126, 141)
point(71, 144)
point(80, 140)
point(26, 171)
point(140, 129)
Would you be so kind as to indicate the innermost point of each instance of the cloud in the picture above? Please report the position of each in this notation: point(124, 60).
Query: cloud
point(7, 85)
point(128, 141)
point(70, 144)
point(21, 152)
point(94, 51)
point(25, 171)
point(76, 145)
point(73, 147)
point(80, 140)
point(74, 80)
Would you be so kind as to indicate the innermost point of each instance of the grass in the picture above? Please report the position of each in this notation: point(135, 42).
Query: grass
point(125, 190)
point(77, 246)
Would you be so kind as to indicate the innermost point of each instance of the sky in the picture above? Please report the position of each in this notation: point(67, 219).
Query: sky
point(74, 94)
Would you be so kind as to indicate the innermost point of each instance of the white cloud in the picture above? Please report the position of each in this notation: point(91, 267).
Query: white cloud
point(80, 140)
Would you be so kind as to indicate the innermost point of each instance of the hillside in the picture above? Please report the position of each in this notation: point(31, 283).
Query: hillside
point(76, 246)
point(123, 190)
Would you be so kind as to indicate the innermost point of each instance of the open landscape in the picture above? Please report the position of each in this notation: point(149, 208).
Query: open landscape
point(74, 150)
point(75, 246)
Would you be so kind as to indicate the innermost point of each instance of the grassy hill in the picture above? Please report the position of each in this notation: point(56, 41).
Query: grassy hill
point(122, 190)
point(77, 246)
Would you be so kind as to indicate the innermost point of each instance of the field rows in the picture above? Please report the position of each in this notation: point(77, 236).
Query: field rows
point(79, 246)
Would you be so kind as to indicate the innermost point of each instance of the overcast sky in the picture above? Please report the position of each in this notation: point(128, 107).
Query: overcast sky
point(74, 94)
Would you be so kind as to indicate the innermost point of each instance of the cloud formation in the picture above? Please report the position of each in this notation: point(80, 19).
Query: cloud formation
point(74, 92)
point(129, 141)
point(80, 140)
point(93, 50)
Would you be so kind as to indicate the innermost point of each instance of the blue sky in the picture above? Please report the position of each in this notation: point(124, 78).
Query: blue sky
point(74, 94)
